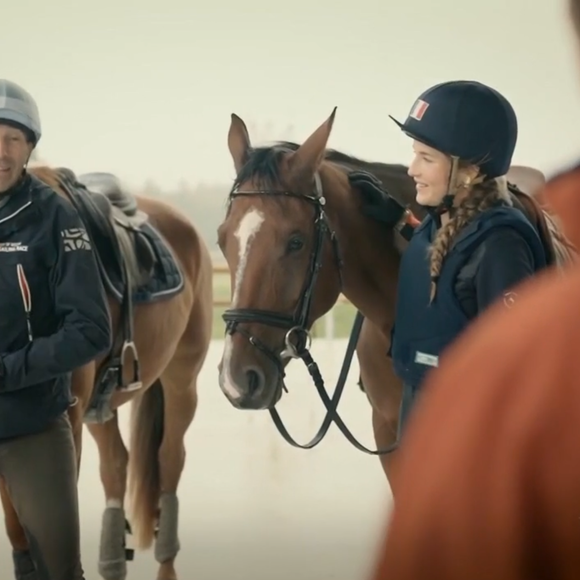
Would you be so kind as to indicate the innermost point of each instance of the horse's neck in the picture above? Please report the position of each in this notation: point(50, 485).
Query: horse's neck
point(370, 259)
point(371, 251)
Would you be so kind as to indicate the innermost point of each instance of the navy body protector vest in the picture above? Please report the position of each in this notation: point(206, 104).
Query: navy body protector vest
point(422, 330)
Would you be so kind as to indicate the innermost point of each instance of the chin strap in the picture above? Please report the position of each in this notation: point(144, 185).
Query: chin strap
point(446, 204)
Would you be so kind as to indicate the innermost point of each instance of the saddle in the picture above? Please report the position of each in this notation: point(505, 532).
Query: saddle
point(108, 192)
point(525, 184)
point(96, 196)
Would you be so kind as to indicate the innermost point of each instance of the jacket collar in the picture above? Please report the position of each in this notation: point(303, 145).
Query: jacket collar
point(16, 198)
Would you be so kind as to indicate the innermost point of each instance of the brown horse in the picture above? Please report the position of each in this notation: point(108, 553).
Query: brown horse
point(294, 234)
point(169, 270)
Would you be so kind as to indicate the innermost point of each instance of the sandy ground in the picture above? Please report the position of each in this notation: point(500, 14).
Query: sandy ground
point(252, 507)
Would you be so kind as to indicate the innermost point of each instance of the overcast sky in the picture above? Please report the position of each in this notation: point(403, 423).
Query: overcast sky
point(147, 91)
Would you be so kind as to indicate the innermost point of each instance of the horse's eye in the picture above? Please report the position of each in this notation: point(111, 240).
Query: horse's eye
point(295, 244)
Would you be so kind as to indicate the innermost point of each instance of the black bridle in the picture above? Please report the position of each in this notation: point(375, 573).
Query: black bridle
point(298, 322)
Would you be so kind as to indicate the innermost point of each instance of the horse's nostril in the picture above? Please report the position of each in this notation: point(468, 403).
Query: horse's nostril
point(254, 381)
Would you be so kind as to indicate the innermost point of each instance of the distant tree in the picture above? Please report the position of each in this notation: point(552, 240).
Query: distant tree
point(185, 188)
point(151, 188)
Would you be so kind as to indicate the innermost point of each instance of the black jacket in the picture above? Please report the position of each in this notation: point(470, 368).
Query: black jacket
point(46, 260)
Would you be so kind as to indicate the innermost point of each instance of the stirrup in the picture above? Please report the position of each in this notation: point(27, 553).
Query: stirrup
point(136, 383)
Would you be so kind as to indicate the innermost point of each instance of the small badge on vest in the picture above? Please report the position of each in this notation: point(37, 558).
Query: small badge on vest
point(429, 360)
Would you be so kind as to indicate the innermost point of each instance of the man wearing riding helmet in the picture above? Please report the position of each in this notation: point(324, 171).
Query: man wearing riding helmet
point(473, 246)
point(54, 318)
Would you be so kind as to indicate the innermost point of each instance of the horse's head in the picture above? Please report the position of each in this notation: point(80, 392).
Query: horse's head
point(283, 258)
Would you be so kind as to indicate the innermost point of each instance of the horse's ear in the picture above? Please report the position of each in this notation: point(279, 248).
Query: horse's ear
point(238, 142)
point(528, 179)
point(305, 161)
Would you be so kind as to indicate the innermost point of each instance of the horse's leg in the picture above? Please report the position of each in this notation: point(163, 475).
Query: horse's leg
point(113, 459)
point(157, 442)
point(180, 407)
point(382, 388)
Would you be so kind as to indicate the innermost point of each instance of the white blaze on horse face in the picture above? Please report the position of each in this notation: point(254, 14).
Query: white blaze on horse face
point(248, 227)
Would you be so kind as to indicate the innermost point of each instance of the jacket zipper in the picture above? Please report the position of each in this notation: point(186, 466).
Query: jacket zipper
point(26, 297)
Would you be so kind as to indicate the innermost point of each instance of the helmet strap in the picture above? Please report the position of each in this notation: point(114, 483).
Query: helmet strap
point(446, 205)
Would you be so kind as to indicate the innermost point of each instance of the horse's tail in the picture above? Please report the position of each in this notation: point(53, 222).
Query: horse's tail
point(144, 484)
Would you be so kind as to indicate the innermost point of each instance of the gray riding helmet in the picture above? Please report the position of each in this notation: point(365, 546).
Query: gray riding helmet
point(18, 107)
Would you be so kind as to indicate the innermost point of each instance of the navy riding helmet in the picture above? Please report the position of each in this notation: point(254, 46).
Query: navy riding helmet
point(468, 120)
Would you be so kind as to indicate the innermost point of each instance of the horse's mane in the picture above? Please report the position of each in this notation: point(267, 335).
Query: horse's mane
point(50, 176)
point(263, 166)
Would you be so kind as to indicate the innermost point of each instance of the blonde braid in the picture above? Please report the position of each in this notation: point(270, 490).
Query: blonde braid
point(481, 197)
